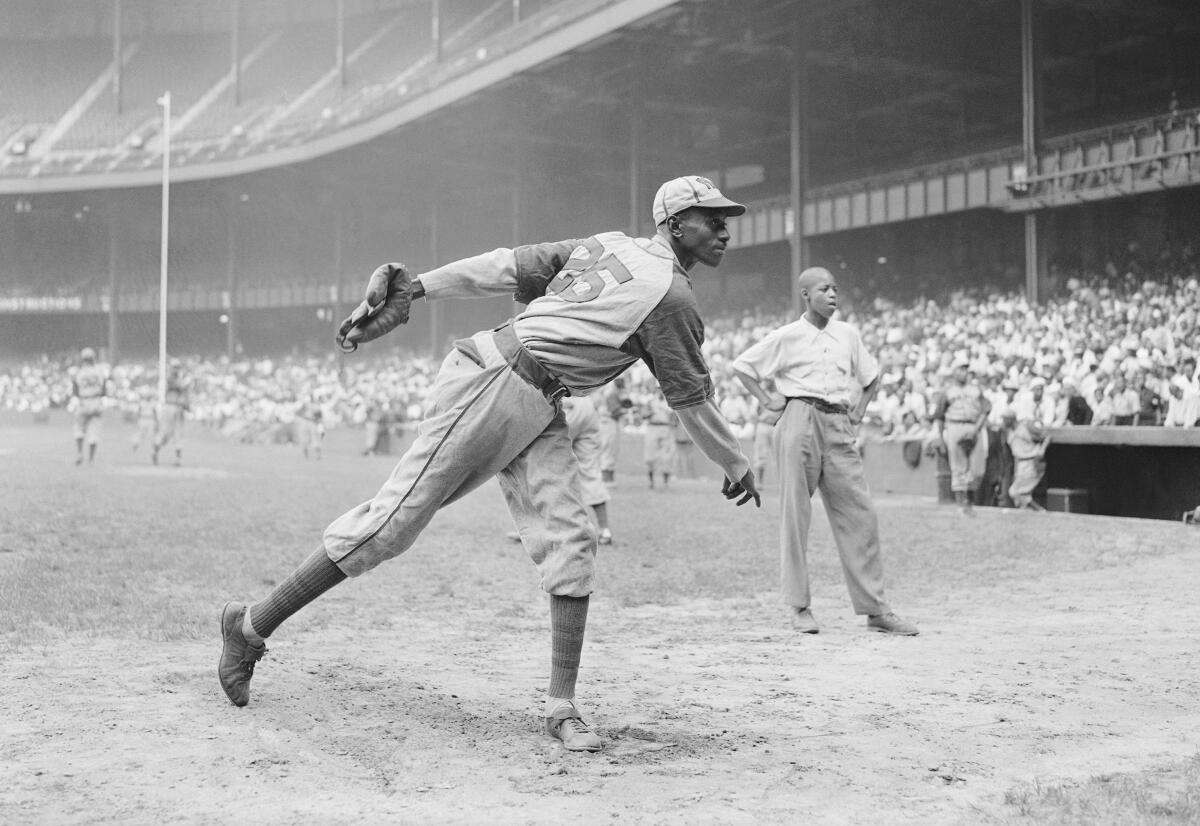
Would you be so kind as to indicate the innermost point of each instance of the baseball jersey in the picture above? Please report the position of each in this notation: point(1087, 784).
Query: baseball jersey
point(89, 387)
point(177, 391)
point(597, 305)
point(804, 360)
point(960, 403)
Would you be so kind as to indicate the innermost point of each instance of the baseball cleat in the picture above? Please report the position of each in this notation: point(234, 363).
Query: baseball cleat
point(605, 537)
point(238, 655)
point(576, 735)
point(803, 622)
point(891, 624)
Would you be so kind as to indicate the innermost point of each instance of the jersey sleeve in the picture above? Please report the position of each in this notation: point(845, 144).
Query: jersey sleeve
point(536, 265)
point(522, 272)
point(669, 342)
point(709, 430)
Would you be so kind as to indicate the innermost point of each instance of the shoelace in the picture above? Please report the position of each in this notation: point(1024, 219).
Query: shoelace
point(576, 726)
point(250, 657)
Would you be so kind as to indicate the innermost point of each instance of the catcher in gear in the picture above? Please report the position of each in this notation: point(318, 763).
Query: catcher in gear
point(595, 306)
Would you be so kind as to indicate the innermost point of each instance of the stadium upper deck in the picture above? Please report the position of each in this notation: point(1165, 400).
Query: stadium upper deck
point(890, 84)
point(352, 131)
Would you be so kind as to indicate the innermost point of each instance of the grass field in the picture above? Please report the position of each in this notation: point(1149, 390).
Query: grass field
point(1053, 682)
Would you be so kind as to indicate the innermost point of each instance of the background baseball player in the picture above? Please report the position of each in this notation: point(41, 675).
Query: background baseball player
point(615, 402)
point(583, 429)
point(169, 432)
point(595, 306)
point(658, 446)
point(88, 389)
point(961, 414)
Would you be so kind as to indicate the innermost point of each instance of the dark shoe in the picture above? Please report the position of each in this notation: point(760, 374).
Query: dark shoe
point(891, 624)
point(803, 622)
point(238, 656)
point(576, 735)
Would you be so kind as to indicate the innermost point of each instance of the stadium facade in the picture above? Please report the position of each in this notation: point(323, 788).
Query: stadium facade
point(922, 143)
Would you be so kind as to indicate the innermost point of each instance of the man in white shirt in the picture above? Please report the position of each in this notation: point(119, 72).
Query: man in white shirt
point(824, 379)
point(1183, 403)
point(1035, 405)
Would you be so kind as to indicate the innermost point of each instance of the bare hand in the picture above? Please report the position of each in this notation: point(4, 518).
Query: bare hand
point(745, 488)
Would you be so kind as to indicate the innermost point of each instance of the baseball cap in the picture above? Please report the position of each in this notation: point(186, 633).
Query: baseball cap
point(689, 191)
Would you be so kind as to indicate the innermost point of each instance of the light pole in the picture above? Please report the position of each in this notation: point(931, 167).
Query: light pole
point(165, 103)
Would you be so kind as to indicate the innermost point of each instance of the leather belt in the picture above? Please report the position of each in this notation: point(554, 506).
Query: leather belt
point(526, 366)
point(821, 404)
point(961, 421)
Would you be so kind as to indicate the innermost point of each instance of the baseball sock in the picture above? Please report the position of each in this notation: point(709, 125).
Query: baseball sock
point(568, 619)
point(315, 576)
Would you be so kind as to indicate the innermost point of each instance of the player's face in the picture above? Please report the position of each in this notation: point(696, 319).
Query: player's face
point(703, 236)
point(822, 297)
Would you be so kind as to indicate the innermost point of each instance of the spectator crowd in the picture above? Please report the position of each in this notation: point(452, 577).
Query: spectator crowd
point(1110, 350)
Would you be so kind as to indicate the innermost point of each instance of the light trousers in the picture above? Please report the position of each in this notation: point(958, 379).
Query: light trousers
point(817, 451)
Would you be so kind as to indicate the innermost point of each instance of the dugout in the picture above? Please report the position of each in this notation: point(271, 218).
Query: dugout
point(1147, 472)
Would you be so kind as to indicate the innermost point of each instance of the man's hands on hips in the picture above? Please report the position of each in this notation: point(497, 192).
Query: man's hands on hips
point(745, 488)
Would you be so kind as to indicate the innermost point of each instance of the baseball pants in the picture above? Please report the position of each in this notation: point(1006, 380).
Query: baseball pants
point(817, 451)
point(87, 424)
point(584, 432)
point(170, 425)
point(483, 420)
point(659, 448)
point(610, 442)
point(966, 467)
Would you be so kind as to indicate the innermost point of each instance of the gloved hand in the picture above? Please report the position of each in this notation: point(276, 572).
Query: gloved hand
point(390, 292)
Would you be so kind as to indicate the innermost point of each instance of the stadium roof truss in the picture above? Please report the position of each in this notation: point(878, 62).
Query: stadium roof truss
point(904, 108)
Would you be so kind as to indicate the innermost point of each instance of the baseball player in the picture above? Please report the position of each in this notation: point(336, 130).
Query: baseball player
point(310, 429)
point(615, 402)
point(824, 379)
point(658, 447)
point(595, 306)
point(147, 419)
point(1028, 442)
point(961, 414)
point(88, 389)
point(170, 414)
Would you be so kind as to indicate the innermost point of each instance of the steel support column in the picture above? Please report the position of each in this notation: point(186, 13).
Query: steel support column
point(435, 25)
point(118, 63)
point(235, 48)
point(798, 139)
point(1035, 268)
point(231, 268)
point(341, 43)
point(435, 311)
point(635, 170)
point(114, 322)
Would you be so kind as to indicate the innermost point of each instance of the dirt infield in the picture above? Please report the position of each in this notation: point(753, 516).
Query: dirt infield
point(1054, 648)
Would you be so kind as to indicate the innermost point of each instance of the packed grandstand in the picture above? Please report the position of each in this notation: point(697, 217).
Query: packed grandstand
point(311, 141)
point(1107, 336)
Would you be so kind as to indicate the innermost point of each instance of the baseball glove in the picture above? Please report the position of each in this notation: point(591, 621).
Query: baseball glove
point(386, 307)
point(967, 443)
